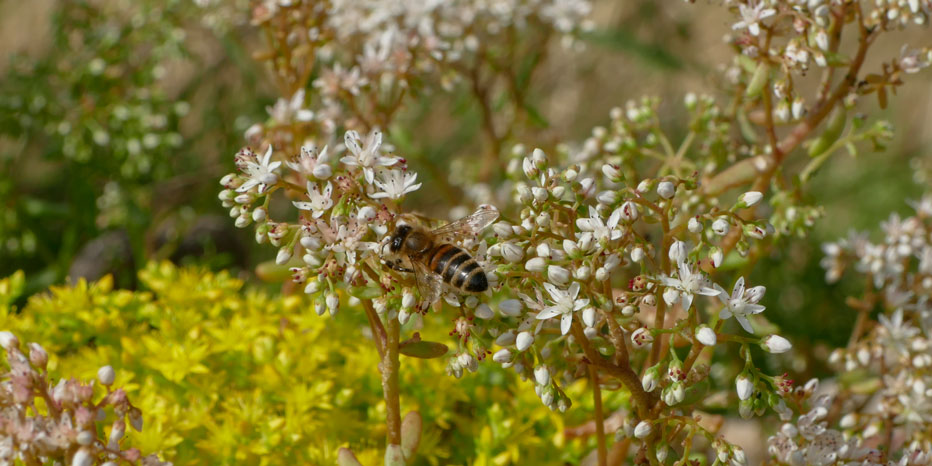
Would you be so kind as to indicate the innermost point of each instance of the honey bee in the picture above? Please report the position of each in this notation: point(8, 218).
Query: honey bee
point(434, 260)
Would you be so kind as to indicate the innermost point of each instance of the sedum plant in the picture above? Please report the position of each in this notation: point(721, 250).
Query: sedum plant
point(225, 373)
point(620, 259)
point(61, 422)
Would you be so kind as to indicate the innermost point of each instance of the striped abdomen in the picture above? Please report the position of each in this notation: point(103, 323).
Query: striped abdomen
point(457, 268)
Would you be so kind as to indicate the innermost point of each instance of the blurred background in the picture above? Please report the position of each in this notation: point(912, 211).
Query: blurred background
point(117, 119)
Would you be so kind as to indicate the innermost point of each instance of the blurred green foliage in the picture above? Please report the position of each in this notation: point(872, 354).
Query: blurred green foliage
point(98, 132)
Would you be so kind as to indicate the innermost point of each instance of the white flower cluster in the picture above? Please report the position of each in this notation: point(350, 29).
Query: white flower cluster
point(374, 51)
point(562, 264)
point(895, 351)
point(66, 430)
point(342, 214)
point(811, 441)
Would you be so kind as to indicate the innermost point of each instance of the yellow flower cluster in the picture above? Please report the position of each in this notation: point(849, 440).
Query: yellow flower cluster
point(225, 374)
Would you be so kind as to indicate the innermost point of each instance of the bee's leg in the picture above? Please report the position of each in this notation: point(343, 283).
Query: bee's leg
point(396, 266)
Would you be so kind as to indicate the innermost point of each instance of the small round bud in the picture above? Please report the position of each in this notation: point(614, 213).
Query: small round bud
point(542, 375)
point(524, 341)
point(284, 255)
point(666, 189)
point(510, 307)
point(706, 335)
point(106, 375)
point(776, 344)
point(537, 264)
point(720, 226)
point(750, 198)
point(694, 225)
point(643, 429)
point(744, 387)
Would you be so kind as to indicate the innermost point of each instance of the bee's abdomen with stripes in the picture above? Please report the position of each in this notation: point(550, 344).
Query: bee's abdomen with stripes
point(457, 268)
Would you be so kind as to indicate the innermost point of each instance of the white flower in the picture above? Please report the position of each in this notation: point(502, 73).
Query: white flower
point(510, 307)
point(283, 256)
point(706, 335)
point(320, 200)
point(502, 356)
point(744, 387)
point(368, 156)
point(285, 111)
point(666, 189)
point(484, 312)
point(649, 381)
point(642, 337)
point(740, 305)
point(394, 184)
point(260, 173)
point(524, 341)
point(511, 252)
point(717, 256)
point(506, 339)
point(82, 458)
point(897, 334)
point(601, 230)
point(312, 163)
point(542, 375)
point(558, 275)
point(686, 285)
point(694, 225)
point(643, 429)
point(777, 344)
point(565, 303)
point(536, 264)
point(8, 341)
point(106, 375)
point(720, 226)
point(750, 198)
point(678, 252)
point(751, 15)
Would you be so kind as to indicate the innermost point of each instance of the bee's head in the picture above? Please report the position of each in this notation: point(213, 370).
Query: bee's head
point(397, 238)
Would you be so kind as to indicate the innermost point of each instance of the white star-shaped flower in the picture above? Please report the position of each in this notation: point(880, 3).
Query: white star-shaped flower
point(751, 15)
point(394, 184)
point(260, 173)
point(564, 303)
point(367, 157)
point(740, 304)
point(687, 284)
point(312, 163)
point(320, 201)
point(601, 230)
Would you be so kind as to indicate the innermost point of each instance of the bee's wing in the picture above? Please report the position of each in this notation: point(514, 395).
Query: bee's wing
point(468, 226)
point(429, 284)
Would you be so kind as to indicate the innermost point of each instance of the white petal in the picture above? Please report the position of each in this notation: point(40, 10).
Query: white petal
point(565, 323)
point(555, 292)
point(738, 291)
point(349, 139)
point(574, 290)
point(687, 300)
point(549, 312)
point(744, 323)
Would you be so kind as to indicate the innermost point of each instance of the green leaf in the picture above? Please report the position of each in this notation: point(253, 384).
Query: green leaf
point(423, 349)
point(271, 272)
point(410, 434)
point(366, 292)
point(623, 40)
point(758, 80)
